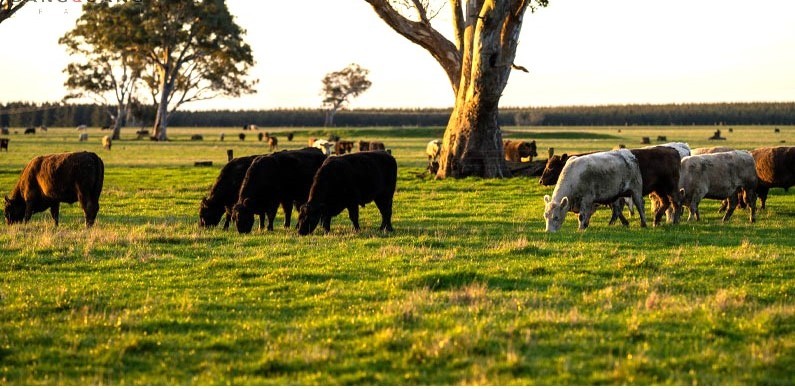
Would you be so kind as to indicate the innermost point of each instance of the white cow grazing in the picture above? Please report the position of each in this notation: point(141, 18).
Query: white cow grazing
point(599, 178)
point(433, 149)
point(325, 146)
point(719, 176)
point(83, 137)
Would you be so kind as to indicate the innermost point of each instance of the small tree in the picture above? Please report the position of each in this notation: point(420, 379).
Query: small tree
point(9, 7)
point(105, 69)
point(340, 86)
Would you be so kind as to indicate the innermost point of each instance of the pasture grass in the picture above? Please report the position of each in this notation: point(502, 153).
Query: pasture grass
point(467, 290)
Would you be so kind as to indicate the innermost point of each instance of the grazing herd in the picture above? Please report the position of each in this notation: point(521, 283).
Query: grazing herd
point(673, 176)
point(329, 177)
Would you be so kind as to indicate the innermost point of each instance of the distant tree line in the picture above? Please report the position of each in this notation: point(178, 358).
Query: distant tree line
point(25, 114)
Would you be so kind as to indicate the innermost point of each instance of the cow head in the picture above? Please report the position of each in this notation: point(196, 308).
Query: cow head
point(243, 217)
point(14, 210)
point(555, 213)
point(552, 170)
point(209, 215)
point(308, 218)
point(527, 149)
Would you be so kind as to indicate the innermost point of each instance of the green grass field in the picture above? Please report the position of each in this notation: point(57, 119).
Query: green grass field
point(467, 290)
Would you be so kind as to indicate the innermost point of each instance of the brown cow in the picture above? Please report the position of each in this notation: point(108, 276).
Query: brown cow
point(377, 146)
point(364, 145)
point(4, 144)
point(49, 180)
point(775, 168)
point(515, 150)
point(272, 143)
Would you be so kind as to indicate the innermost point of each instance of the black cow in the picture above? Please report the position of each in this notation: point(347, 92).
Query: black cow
point(223, 194)
point(281, 178)
point(49, 180)
point(347, 182)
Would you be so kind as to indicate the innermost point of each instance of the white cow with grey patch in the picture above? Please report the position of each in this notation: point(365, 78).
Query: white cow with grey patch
point(588, 180)
point(719, 176)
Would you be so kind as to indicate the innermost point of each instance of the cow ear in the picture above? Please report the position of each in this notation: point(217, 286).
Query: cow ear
point(547, 199)
point(564, 156)
point(564, 202)
point(8, 201)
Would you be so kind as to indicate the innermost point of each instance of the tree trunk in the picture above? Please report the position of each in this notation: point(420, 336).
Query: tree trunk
point(121, 111)
point(472, 143)
point(161, 119)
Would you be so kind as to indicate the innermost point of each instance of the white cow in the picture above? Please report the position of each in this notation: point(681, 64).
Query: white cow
point(325, 146)
point(719, 176)
point(433, 149)
point(598, 178)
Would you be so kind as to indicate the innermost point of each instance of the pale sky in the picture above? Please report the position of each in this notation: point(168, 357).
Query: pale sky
point(579, 52)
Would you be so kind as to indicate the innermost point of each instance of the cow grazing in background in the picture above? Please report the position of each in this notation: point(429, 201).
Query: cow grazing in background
point(224, 192)
point(719, 176)
point(4, 144)
point(260, 136)
point(30, 131)
point(775, 168)
point(598, 178)
point(282, 178)
point(324, 146)
point(83, 137)
point(433, 150)
point(106, 142)
point(290, 136)
point(343, 147)
point(377, 146)
point(273, 142)
point(348, 182)
point(49, 180)
point(516, 150)
point(364, 145)
point(241, 136)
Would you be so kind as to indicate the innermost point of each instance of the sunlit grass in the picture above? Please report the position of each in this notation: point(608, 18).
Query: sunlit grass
point(467, 290)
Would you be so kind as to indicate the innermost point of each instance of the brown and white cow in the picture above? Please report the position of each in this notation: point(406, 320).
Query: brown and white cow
point(598, 178)
point(718, 176)
point(433, 150)
point(516, 150)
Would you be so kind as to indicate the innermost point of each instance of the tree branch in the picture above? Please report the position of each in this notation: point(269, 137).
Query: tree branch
point(422, 34)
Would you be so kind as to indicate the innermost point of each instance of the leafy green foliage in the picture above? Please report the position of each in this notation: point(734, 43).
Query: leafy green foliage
point(467, 290)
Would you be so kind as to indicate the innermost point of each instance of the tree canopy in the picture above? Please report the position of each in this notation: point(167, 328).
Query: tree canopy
point(342, 85)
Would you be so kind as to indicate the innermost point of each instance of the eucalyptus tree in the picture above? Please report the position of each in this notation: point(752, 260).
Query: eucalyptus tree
point(190, 50)
point(477, 63)
point(104, 69)
point(340, 86)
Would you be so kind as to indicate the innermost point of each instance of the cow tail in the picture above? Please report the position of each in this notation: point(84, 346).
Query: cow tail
point(101, 179)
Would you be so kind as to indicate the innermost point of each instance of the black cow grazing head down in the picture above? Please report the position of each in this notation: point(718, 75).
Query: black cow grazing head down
point(283, 178)
point(223, 193)
point(52, 179)
point(348, 182)
point(209, 215)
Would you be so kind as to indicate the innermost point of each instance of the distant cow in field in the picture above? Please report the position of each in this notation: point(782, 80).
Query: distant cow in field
point(30, 131)
point(433, 150)
point(140, 134)
point(196, 137)
point(224, 193)
point(775, 168)
point(83, 137)
point(241, 136)
point(43, 128)
point(260, 136)
point(221, 136)
point(290, 136)
point(49, 180)
point(282, 178)
point(4, 131)
point(4, 144)
point(719, 176)
point(324, 146)
point(343, 147)
point(364, 145)
point(106, 142)
point(516, 150)
point(598, 178)
point(273, 142)
point(348, 182)
point(377, 146)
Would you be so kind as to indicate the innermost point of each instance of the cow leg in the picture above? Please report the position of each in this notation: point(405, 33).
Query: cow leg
point(761, 192)
point(227, 218)
point(616, 207)
point(385, 207)
point(326, 223)
point(662, 207)
point(271, 213)
point(54, 212)
point(90, 209)
point(637, 197)
point(732, 200)
point(287, 207)
point(353, 214)
point(586, 210)
point(750, 199)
